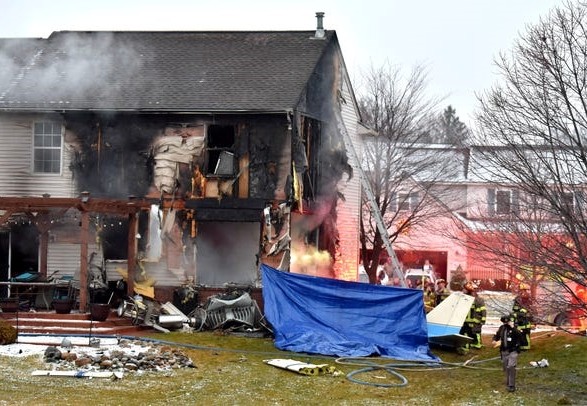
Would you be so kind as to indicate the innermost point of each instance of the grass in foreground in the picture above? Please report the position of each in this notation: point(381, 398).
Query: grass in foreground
point(230, 371)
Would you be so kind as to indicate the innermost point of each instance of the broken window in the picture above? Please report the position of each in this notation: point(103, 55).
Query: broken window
point(47, 147)
point(220, 151)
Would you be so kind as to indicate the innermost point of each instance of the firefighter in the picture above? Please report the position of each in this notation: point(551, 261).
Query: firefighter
point(475, 319)
point(522, 315)
point(429, 297)
point(577, 313)
point(442, 292)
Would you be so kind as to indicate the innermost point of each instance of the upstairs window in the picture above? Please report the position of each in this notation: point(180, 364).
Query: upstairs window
point(221, 161)
point(405, 201)
point(47, 142)
point(567, 200)
point(503, 201)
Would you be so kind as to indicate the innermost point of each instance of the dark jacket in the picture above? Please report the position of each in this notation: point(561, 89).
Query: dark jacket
point(510, 337)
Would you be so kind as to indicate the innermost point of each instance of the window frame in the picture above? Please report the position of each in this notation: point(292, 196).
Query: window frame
point(36, 148)
point(503, 206)
point(567, 200)
point(216, 148)
point(513, 202)
point(405, 201)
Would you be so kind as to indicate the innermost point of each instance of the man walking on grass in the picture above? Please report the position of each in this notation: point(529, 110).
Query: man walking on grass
point(509, 339)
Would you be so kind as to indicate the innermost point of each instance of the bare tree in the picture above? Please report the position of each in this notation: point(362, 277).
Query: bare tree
point(534, 124)
point(403, 173)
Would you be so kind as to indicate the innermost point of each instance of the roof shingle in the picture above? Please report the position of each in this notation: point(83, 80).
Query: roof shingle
point(161, 71)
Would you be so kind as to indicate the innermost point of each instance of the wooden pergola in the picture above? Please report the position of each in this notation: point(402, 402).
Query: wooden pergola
point(46, 208)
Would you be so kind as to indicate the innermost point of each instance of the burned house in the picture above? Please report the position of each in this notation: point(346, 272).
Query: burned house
point(169, 157)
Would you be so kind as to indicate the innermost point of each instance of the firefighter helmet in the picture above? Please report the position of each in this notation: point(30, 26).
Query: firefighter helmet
point(524, 286)
point(470, 286)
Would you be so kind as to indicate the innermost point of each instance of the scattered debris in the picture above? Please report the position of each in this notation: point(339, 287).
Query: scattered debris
point(543, 363)
point(128, 356)
point(78, 374)
point(302, 368)
point(234, 311)
point(66, 343)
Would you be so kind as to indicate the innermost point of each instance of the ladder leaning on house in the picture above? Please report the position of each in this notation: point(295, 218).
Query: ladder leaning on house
point(397, 269)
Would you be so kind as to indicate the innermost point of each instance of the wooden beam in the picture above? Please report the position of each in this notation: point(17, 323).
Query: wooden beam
point(133, 229)
point(43, 252)
point(243, 179)
point(89, 204)
point(83, 273)
point(6, 216)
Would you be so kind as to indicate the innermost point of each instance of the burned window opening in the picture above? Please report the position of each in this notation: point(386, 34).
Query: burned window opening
point(220, 150)
point(311, 139)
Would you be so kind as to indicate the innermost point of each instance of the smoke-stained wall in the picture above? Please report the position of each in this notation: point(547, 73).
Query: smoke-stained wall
point(112, 155)
point(327, 158)
point(115, 157)
point(270, 158)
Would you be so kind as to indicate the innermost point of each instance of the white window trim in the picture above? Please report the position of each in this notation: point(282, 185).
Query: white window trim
point(33, 149)
point(406, 198)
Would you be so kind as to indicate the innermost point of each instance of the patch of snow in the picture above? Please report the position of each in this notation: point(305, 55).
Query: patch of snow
point(30, 345)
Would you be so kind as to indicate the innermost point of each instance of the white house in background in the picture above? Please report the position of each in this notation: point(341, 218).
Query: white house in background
point(472, 198)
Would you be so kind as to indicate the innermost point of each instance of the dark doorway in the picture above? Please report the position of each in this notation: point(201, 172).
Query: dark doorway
point(4, 256)
point(24, 249)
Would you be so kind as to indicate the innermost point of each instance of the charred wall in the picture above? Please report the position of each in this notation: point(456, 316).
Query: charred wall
point(112, 154)
point(270, 158)
point(326, 154)
point(115, 157)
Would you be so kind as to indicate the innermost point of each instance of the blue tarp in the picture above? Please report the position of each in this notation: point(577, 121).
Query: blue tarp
point(346, 319)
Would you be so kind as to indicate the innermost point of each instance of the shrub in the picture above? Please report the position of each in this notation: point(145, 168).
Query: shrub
point(8, 333)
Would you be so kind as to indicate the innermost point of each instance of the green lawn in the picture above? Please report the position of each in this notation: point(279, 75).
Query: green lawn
point(230, 371)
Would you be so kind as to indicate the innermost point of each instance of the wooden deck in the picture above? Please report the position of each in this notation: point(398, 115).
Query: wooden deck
point(50, 322)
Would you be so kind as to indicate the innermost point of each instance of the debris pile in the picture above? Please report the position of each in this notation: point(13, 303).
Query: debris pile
point(129, 356)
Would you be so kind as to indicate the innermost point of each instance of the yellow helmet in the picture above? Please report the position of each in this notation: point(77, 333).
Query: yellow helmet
point(524, 286)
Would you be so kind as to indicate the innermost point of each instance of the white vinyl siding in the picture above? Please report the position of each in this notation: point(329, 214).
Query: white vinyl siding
point(65, 258)
point(16, 155)
point(349, 209)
